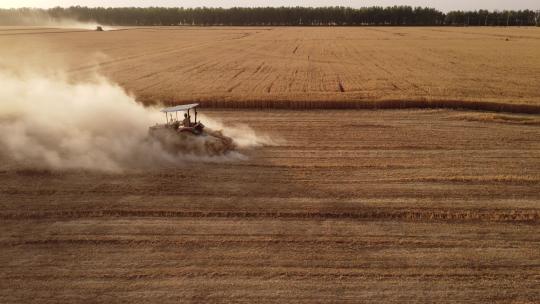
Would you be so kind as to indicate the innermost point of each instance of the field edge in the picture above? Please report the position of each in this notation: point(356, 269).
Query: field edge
point(354, 105)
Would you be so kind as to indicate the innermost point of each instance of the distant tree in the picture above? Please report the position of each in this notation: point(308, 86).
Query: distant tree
point(271, 16)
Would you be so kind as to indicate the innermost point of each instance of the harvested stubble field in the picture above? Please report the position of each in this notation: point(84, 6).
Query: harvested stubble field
point(476, 68)
point(349, 206)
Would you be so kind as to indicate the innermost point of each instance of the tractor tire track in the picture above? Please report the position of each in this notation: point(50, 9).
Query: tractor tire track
point(529, 216)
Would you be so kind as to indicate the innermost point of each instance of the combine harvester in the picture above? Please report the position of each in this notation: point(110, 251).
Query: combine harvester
point(187, 136)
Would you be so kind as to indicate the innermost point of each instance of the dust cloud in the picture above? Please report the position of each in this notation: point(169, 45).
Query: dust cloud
point(71, 24)
point(40, 20)
point(243, 135)
point(48, 120)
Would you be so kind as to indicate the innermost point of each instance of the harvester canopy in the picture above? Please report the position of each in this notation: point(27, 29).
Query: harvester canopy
point(180, 108)
point(172, 121)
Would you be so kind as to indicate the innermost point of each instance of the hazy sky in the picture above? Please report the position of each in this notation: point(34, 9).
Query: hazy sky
point(444, 5)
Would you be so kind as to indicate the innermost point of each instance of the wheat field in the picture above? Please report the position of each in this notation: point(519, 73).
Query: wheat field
point(438, 204)
point(329, 67)
point(387, 206)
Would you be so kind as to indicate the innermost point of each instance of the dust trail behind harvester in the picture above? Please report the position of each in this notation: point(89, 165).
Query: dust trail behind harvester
point(49, 121)
point(38, 18)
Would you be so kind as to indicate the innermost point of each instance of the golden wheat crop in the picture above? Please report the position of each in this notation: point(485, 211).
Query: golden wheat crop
point(336, 67)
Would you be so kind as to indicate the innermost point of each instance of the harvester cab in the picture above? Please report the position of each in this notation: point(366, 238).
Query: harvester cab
point(172, 121)
point(187, 134)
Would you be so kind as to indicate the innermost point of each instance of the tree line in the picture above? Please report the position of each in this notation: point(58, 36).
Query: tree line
point(271, 16)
